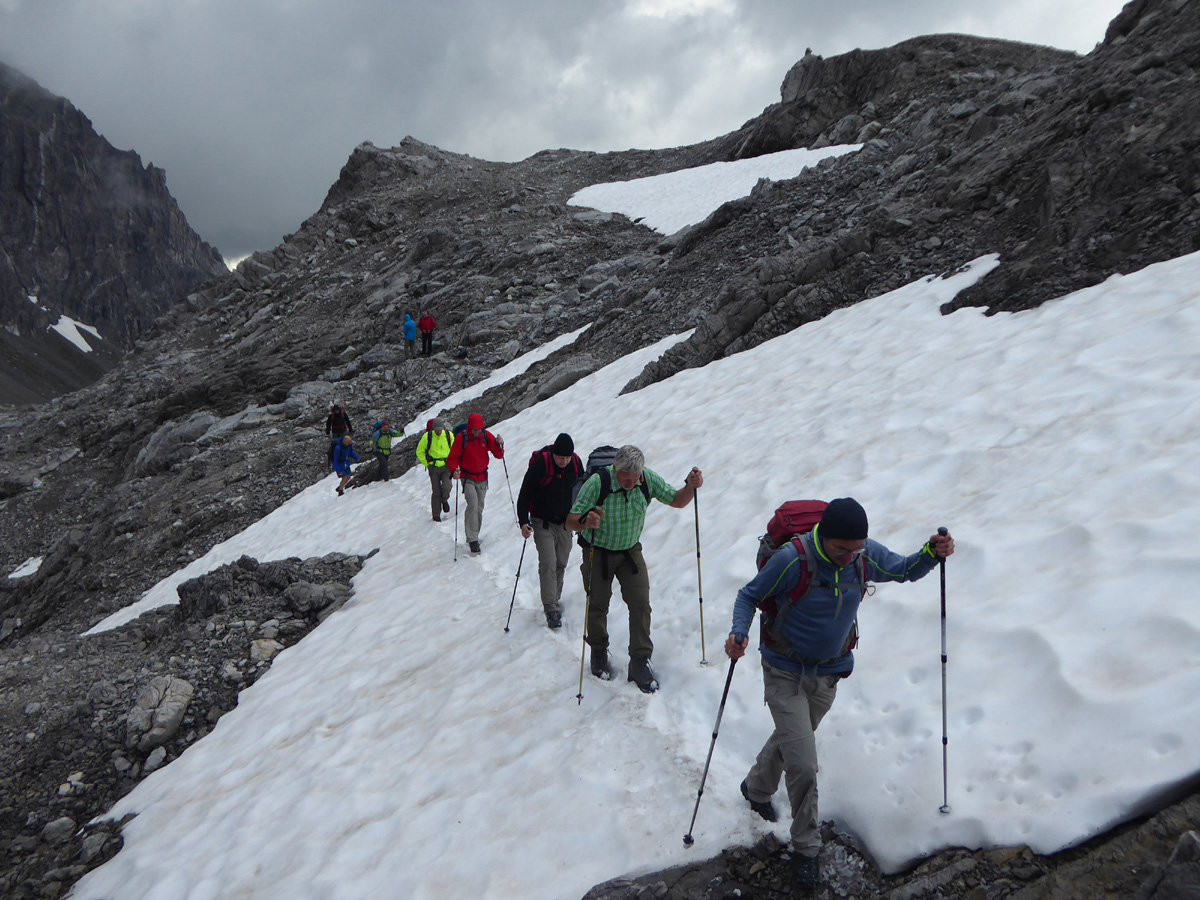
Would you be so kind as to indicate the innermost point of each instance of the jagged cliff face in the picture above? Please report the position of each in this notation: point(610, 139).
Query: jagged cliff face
point(87, 231)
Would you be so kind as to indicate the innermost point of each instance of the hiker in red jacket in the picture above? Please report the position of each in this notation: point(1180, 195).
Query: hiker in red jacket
point(425, 325)
point(468, 462)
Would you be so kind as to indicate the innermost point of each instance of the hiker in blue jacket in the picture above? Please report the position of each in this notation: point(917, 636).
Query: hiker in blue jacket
point(410, 337)
point(809, 651)
point(343, 455)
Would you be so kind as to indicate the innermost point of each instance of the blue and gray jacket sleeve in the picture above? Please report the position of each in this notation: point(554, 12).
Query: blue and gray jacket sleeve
point(778, 576)
point(885, 565)
point(782, 572)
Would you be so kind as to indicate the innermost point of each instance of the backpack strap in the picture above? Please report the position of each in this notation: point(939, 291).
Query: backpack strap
point(605, 486)
point(547, 466)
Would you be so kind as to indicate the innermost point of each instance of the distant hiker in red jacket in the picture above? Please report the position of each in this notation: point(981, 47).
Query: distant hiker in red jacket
point(425, 325)
point(468, 462)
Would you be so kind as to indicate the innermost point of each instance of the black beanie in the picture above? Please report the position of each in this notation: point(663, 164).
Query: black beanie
point(844, 519)
point(563, 445)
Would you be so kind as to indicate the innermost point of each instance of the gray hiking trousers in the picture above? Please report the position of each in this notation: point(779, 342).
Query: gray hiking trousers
point(629, 568)
point(475, 493)
point(797, 703)
point(441, 485)
point(553, 544)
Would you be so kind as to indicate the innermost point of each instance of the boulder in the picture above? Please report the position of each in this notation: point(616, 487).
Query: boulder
point(59, 831)
point(264, 649)
point(171, 443)
point(156, 715)
point(305, 597)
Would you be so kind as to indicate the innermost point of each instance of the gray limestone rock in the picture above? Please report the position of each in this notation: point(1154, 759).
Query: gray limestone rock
point(156, 715)
point(305, 597)
point(59, 831)
point(156, 758)
point(171, 443)
point(1179, 877)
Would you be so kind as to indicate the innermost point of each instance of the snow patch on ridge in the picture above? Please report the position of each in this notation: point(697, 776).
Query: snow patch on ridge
point(667, 203)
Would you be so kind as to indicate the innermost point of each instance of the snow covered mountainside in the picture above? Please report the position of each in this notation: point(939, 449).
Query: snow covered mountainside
point(458, 755)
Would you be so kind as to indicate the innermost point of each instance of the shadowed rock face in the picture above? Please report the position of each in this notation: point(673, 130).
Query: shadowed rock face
point(90, 233)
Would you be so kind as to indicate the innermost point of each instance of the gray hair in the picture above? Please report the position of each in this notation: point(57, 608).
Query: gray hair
point(629, 459)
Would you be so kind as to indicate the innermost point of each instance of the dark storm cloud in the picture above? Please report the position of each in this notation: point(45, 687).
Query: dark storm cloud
point(252, 106)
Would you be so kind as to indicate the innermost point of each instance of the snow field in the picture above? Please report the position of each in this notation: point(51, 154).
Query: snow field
point(667, 203)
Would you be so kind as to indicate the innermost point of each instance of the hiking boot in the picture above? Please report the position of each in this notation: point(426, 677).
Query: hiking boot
point(766, 810)
point(601, 667)
point(474, 545)
point(340, 492)
point(554, 620)
point(445, 506)
point(437, 518)
point(641, 674)
point(806, 871)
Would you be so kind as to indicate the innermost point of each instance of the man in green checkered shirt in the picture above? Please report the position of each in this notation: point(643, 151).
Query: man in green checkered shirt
point(612, 533)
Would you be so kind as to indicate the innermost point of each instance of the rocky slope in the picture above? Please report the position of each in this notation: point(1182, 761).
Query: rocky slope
point(1071, 168)
point(87, 231)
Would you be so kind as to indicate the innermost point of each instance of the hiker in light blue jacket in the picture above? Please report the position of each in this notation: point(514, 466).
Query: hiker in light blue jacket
point(410, 336)
point(807, 638)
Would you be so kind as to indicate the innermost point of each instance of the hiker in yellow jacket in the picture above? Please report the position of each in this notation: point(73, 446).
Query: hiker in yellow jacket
point(432, 450)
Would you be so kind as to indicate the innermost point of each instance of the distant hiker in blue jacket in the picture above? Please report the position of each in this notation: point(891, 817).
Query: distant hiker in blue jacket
point(343, 455)
point(410, 337)
point(805, 655)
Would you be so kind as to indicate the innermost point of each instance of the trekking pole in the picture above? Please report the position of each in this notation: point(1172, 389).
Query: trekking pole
point(699, 582)
point(687, 838)
point(524, 544)
point(945, 807)
point(510, 496)
point(456, 520)
point(587, 609)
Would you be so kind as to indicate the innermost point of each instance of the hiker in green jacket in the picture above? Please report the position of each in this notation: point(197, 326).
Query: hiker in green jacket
point(611, 521)
point(381, 440)
point(432, 450)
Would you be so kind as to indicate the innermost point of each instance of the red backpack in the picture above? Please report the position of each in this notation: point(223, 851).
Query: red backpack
point(793, 522)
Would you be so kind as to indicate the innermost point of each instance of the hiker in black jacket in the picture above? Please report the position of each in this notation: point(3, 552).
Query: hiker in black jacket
point(542, 508)
point(337, 426)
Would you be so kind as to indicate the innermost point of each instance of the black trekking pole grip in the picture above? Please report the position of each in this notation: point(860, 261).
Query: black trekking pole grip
point(688, 840)
point(944, 809)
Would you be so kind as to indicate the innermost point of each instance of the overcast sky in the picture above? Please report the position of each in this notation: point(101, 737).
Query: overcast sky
point(253, 106)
